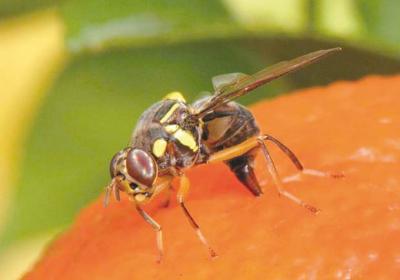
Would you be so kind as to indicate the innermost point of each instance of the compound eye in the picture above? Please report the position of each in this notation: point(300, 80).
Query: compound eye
point(141, 167)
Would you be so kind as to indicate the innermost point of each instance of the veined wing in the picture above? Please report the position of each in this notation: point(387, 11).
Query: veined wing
point(231, 86)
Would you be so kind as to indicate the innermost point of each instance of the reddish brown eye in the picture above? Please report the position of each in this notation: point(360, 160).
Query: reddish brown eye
point(141, 167)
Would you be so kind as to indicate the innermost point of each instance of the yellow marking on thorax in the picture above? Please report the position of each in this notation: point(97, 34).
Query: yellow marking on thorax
point(186, 138)
point(169, 113)
point(159, 147)
point(175, 95)
point(171, 128)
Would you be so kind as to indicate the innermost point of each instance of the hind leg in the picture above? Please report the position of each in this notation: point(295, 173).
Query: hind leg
point(278, 183)
point(258, 142)
point(297, 163)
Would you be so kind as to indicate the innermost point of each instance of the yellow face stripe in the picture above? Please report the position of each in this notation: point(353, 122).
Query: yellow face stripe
point(175, 95)
point(186, 138)
point(159, 147)
point(171, 128)
point(169, 113)
point(140, 198)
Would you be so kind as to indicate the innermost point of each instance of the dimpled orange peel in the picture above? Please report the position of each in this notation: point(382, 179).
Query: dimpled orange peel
point(349, 127)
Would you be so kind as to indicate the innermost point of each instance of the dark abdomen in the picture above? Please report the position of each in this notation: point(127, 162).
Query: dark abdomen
point(229, 126)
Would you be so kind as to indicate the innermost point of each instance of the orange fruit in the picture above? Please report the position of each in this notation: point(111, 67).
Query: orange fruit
point(349, 127)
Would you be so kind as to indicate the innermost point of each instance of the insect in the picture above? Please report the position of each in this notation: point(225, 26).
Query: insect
point(173, 136)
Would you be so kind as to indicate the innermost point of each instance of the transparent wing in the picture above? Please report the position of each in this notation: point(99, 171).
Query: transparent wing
point(230, 86)
point(226, 79)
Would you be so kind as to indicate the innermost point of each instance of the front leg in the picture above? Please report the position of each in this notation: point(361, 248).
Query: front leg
point(157, 229)
point(182, 192)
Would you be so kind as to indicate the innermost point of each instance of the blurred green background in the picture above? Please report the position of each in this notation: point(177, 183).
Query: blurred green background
point(76, 75)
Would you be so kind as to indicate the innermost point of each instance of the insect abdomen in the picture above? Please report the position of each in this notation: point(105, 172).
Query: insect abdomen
point(228, 126)
point(243, 168)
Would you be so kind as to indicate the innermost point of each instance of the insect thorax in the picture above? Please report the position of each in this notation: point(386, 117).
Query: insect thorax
point(169, 132)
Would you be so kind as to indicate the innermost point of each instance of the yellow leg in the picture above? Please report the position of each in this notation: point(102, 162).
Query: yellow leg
point(235, 151)
point(166, 201)
point(259, 142)
point(156, 227)
point(251, 143)
point(182, 192)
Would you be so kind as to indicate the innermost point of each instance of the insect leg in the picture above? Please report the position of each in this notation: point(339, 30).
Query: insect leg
point(107, 196)
point(234, 151)
point(238, 150)
point(275, 177)
point(116, 193)
point(183, 190)
point(284, 149)
point(297, 162)
point(168, 192)
point(112, 187)
point(156, 227)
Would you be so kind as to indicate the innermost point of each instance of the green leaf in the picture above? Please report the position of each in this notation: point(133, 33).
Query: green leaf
point(382, 21)
point(93, 107)
point(100, 25)
point(96, 25)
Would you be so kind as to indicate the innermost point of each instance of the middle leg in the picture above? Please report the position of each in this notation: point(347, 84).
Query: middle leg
point(182, 192)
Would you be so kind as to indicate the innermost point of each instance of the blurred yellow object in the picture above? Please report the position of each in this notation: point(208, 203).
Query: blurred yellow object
point(339, 18)
point(283, 15)
point(21, 256)
point(32, 52)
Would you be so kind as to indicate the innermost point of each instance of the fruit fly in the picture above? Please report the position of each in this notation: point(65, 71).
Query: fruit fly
point(173, 136)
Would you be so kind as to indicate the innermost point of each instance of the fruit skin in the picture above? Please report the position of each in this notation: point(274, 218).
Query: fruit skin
point(348, 126)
